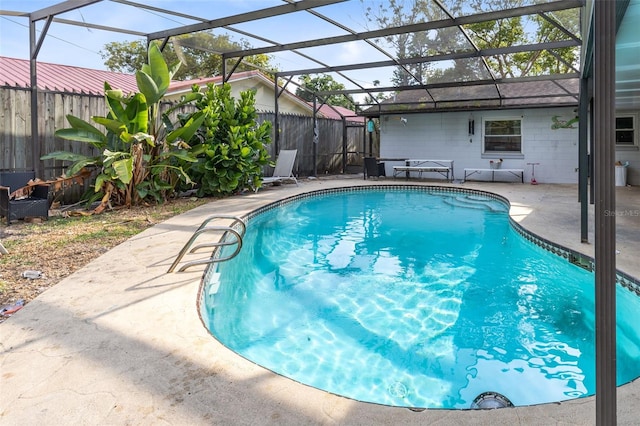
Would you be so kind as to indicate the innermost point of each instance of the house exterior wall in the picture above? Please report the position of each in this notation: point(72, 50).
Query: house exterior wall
point(446, 136)
point(264, 97)
point(631, 154)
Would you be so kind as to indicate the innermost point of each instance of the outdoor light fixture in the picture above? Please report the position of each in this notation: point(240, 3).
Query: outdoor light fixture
point(403, 120)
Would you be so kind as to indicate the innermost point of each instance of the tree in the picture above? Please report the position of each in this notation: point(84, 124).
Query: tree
point(395, 13)
point(485, 35)
point(513, 32)
point(322, 83)
point(230, 146)
point(380, 96)
point(199, 53)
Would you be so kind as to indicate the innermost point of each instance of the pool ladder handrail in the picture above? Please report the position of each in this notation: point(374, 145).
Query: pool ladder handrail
point(202, 229)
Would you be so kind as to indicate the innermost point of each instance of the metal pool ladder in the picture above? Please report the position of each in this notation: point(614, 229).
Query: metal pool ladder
point(237, 228)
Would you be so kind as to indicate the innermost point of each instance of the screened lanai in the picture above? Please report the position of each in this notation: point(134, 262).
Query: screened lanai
point(443, 56)
point(390, 56)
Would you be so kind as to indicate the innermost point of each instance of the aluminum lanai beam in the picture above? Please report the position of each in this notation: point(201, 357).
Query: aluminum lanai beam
point(35, 44)
point(604, 98)
point(243, 17)
point(265, 40)
point(484, 99)
point(485, 82)
point(369, 42)
point(434, 58)
point(424, 26)
point(13, 13)
point(474, 45)
point(59, 8)
point(159, 10)
point(559, 26)
point(99, 27)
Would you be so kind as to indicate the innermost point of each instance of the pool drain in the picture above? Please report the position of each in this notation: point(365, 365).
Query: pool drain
point(490, 400)
point(398, 389)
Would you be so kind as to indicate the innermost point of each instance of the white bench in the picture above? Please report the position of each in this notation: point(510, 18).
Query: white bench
point(443, 167)
point(515, 172)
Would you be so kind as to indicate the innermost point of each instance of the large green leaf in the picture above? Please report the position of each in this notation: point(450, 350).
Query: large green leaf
point(115, 99)
point(63, 156)
point(137, 114)
point(81, 164)
point(189, 128)
point(157, 70)
point(79, 123)
point(124, 170)
point(111, 156)
point(190, 97)
point(186, 99)
point(114, 126)
point(181, 154)
point(198, 149)
point(148, 87)
point(82, 135)
point(100, 181)
point(142, 137)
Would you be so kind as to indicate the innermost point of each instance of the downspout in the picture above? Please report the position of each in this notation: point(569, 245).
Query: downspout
point(583, 159)
point(276, 119)
point(344, 145)
point(315, 137)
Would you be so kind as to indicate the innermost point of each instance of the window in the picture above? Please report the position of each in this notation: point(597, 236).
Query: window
point(503, 136)
point(625, 132)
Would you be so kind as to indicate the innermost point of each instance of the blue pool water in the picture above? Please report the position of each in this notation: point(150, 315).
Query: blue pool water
point(412, 298)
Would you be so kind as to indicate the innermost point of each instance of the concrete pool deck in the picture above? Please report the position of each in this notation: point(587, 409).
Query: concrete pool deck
point(120, 341)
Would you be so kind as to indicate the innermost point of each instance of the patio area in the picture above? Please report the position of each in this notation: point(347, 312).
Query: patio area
point(121, 342)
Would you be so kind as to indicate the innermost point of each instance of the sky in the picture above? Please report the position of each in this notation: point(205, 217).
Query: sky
point(81, 46)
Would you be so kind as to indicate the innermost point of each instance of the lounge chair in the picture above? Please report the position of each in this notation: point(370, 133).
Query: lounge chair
point(284, 168)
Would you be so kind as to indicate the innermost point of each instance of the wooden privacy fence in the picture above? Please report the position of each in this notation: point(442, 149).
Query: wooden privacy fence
point(15, 134)
point(338, 148)
point(330, 154)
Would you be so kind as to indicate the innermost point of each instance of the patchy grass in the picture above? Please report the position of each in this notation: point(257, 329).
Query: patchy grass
point(62, 245)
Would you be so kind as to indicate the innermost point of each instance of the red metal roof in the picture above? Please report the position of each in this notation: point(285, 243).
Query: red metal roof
point(177, 86)
point(63, 78)
point(69, 79)
point(330, 112)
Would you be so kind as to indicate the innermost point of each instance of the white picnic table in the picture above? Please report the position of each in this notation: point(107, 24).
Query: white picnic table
point(443, 167)
point(516, 172)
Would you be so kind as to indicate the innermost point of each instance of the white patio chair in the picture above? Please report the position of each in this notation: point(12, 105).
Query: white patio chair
point(284, 168)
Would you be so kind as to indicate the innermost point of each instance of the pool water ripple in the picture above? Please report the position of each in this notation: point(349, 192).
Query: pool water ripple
point(412, 298)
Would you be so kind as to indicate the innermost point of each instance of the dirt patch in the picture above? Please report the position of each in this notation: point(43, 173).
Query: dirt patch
point(42, 253)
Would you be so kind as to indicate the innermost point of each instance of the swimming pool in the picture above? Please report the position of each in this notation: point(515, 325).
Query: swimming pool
point(411, 296)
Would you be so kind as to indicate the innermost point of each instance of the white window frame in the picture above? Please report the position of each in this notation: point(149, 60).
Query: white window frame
point(501, 153)
point(634, 129)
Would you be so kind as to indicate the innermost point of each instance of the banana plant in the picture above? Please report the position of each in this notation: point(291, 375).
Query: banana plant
point(140, 160)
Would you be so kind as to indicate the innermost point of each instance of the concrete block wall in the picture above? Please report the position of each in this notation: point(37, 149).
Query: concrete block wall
point(631, 154)
point(446, 136)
